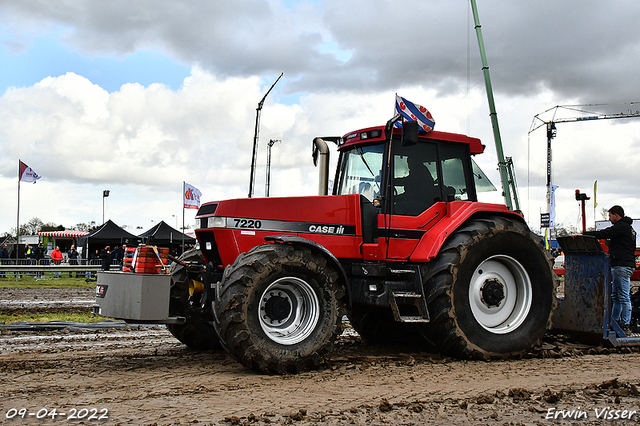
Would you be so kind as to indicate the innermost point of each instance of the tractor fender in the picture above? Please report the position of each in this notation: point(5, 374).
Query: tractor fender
point(294, 239)
point(459, 213)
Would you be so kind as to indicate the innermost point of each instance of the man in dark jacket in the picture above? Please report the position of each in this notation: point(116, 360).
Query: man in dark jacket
point(107, 258)
point(4, 258)
point(622, 246)
point(38, 256)
point(72, 255)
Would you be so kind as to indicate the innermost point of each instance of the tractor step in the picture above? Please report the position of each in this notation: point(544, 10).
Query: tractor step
point(411, 301)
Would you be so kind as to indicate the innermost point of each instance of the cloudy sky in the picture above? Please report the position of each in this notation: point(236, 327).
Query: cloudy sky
point(139, 96)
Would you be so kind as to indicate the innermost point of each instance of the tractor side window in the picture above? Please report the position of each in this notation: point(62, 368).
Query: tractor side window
point(454, 172)
point(414, 178)
point(361, 172)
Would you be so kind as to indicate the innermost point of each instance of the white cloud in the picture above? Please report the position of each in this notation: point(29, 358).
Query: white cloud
point(344, 63)
point(142, 142)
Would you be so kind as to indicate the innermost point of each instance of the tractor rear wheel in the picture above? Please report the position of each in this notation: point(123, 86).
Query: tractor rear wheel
point(197, 333)
point(279, 308)
point(490, 291)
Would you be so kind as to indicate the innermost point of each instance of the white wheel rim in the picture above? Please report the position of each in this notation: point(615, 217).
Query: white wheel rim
point(288, 310)
point(500, 294)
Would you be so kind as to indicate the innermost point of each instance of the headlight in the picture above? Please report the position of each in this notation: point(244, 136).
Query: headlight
point(217, 222)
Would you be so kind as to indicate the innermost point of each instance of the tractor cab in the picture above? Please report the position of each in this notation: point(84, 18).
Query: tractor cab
point(436, 167)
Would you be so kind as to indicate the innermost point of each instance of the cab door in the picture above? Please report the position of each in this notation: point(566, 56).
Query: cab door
point(425, 177)
point(415, 195)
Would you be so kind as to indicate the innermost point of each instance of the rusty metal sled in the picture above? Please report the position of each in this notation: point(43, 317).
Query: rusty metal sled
point(585, 309)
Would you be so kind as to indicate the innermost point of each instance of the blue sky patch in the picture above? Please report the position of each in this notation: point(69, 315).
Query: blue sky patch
point(47, 57)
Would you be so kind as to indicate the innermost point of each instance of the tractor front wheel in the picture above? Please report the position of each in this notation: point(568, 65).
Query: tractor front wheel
point(279, 308)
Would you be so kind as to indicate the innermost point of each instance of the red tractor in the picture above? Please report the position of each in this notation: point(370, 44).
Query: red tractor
point(402, 247)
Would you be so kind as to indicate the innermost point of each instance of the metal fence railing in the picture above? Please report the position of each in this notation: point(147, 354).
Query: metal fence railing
point(45, 267)
point(41, 262)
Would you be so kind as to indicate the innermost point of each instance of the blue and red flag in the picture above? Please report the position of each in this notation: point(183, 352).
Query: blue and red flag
point(414, 112)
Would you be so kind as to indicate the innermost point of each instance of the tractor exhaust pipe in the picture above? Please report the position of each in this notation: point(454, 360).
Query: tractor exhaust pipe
point(321, 155)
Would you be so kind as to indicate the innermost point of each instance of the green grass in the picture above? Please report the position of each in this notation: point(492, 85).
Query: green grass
point(46, 317)
point(47, 281)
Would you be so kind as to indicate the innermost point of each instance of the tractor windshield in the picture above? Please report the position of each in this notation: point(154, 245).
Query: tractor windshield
point(361, 171)
point(421, 175)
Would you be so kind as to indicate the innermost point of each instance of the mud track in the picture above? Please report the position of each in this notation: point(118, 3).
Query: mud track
point(143, 376)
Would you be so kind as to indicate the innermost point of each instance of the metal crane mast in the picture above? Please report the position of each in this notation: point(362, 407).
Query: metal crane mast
point(551, 129)
point(539, 122)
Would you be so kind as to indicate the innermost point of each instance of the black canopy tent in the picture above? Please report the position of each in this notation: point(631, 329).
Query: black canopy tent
point(164, 235)
point(109, 234)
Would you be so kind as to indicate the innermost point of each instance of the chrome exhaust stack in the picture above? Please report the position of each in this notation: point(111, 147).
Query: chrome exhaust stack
point(321, 156)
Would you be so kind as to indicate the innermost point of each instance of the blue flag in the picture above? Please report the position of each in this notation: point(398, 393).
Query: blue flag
point(414, 112)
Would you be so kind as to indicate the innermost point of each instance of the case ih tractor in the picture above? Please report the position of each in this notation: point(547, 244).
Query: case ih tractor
point(402, 247)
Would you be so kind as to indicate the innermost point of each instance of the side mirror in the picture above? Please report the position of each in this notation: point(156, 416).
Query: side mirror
point(409, 133)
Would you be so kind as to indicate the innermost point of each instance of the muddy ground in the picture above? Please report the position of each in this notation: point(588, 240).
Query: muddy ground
point(143, 376)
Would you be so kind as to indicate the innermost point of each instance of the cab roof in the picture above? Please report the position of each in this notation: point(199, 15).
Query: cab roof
point(377, 134)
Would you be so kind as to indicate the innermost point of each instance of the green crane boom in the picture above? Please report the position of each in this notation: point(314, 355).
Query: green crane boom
point(508, 185)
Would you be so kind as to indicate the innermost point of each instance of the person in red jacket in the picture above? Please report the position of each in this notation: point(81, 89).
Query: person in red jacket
point(56, 258)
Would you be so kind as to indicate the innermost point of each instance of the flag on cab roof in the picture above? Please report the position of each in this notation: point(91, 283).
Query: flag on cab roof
point(414, 112)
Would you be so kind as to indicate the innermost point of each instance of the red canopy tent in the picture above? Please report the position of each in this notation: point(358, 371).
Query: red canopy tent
point(64, 239)
point(62, 234)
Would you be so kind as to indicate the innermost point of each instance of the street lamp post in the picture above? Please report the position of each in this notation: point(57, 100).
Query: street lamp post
point(105, 194)
point(269, 145)
point(255, 137)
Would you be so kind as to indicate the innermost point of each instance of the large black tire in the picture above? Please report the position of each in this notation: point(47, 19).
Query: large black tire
point(197, 332)
point(635, 311)
point(490, 290)
point(280, 308)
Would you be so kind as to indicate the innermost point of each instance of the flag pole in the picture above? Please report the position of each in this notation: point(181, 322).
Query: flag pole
point(595, 202)
point(183, 189)
point(18, 223)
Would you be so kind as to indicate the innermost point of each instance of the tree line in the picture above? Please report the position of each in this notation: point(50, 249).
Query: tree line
point(35, 225)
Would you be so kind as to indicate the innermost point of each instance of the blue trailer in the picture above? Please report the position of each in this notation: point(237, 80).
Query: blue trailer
point(584, 310)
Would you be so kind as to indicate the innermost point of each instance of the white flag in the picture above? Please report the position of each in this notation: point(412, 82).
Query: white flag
point(27, 174)
point(552, 206)
point(191, 197)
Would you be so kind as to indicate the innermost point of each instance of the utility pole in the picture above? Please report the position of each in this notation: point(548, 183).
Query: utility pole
point(255, 137)
point(269, 145)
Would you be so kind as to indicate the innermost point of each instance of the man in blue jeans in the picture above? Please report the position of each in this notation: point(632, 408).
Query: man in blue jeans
point(622, 246)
